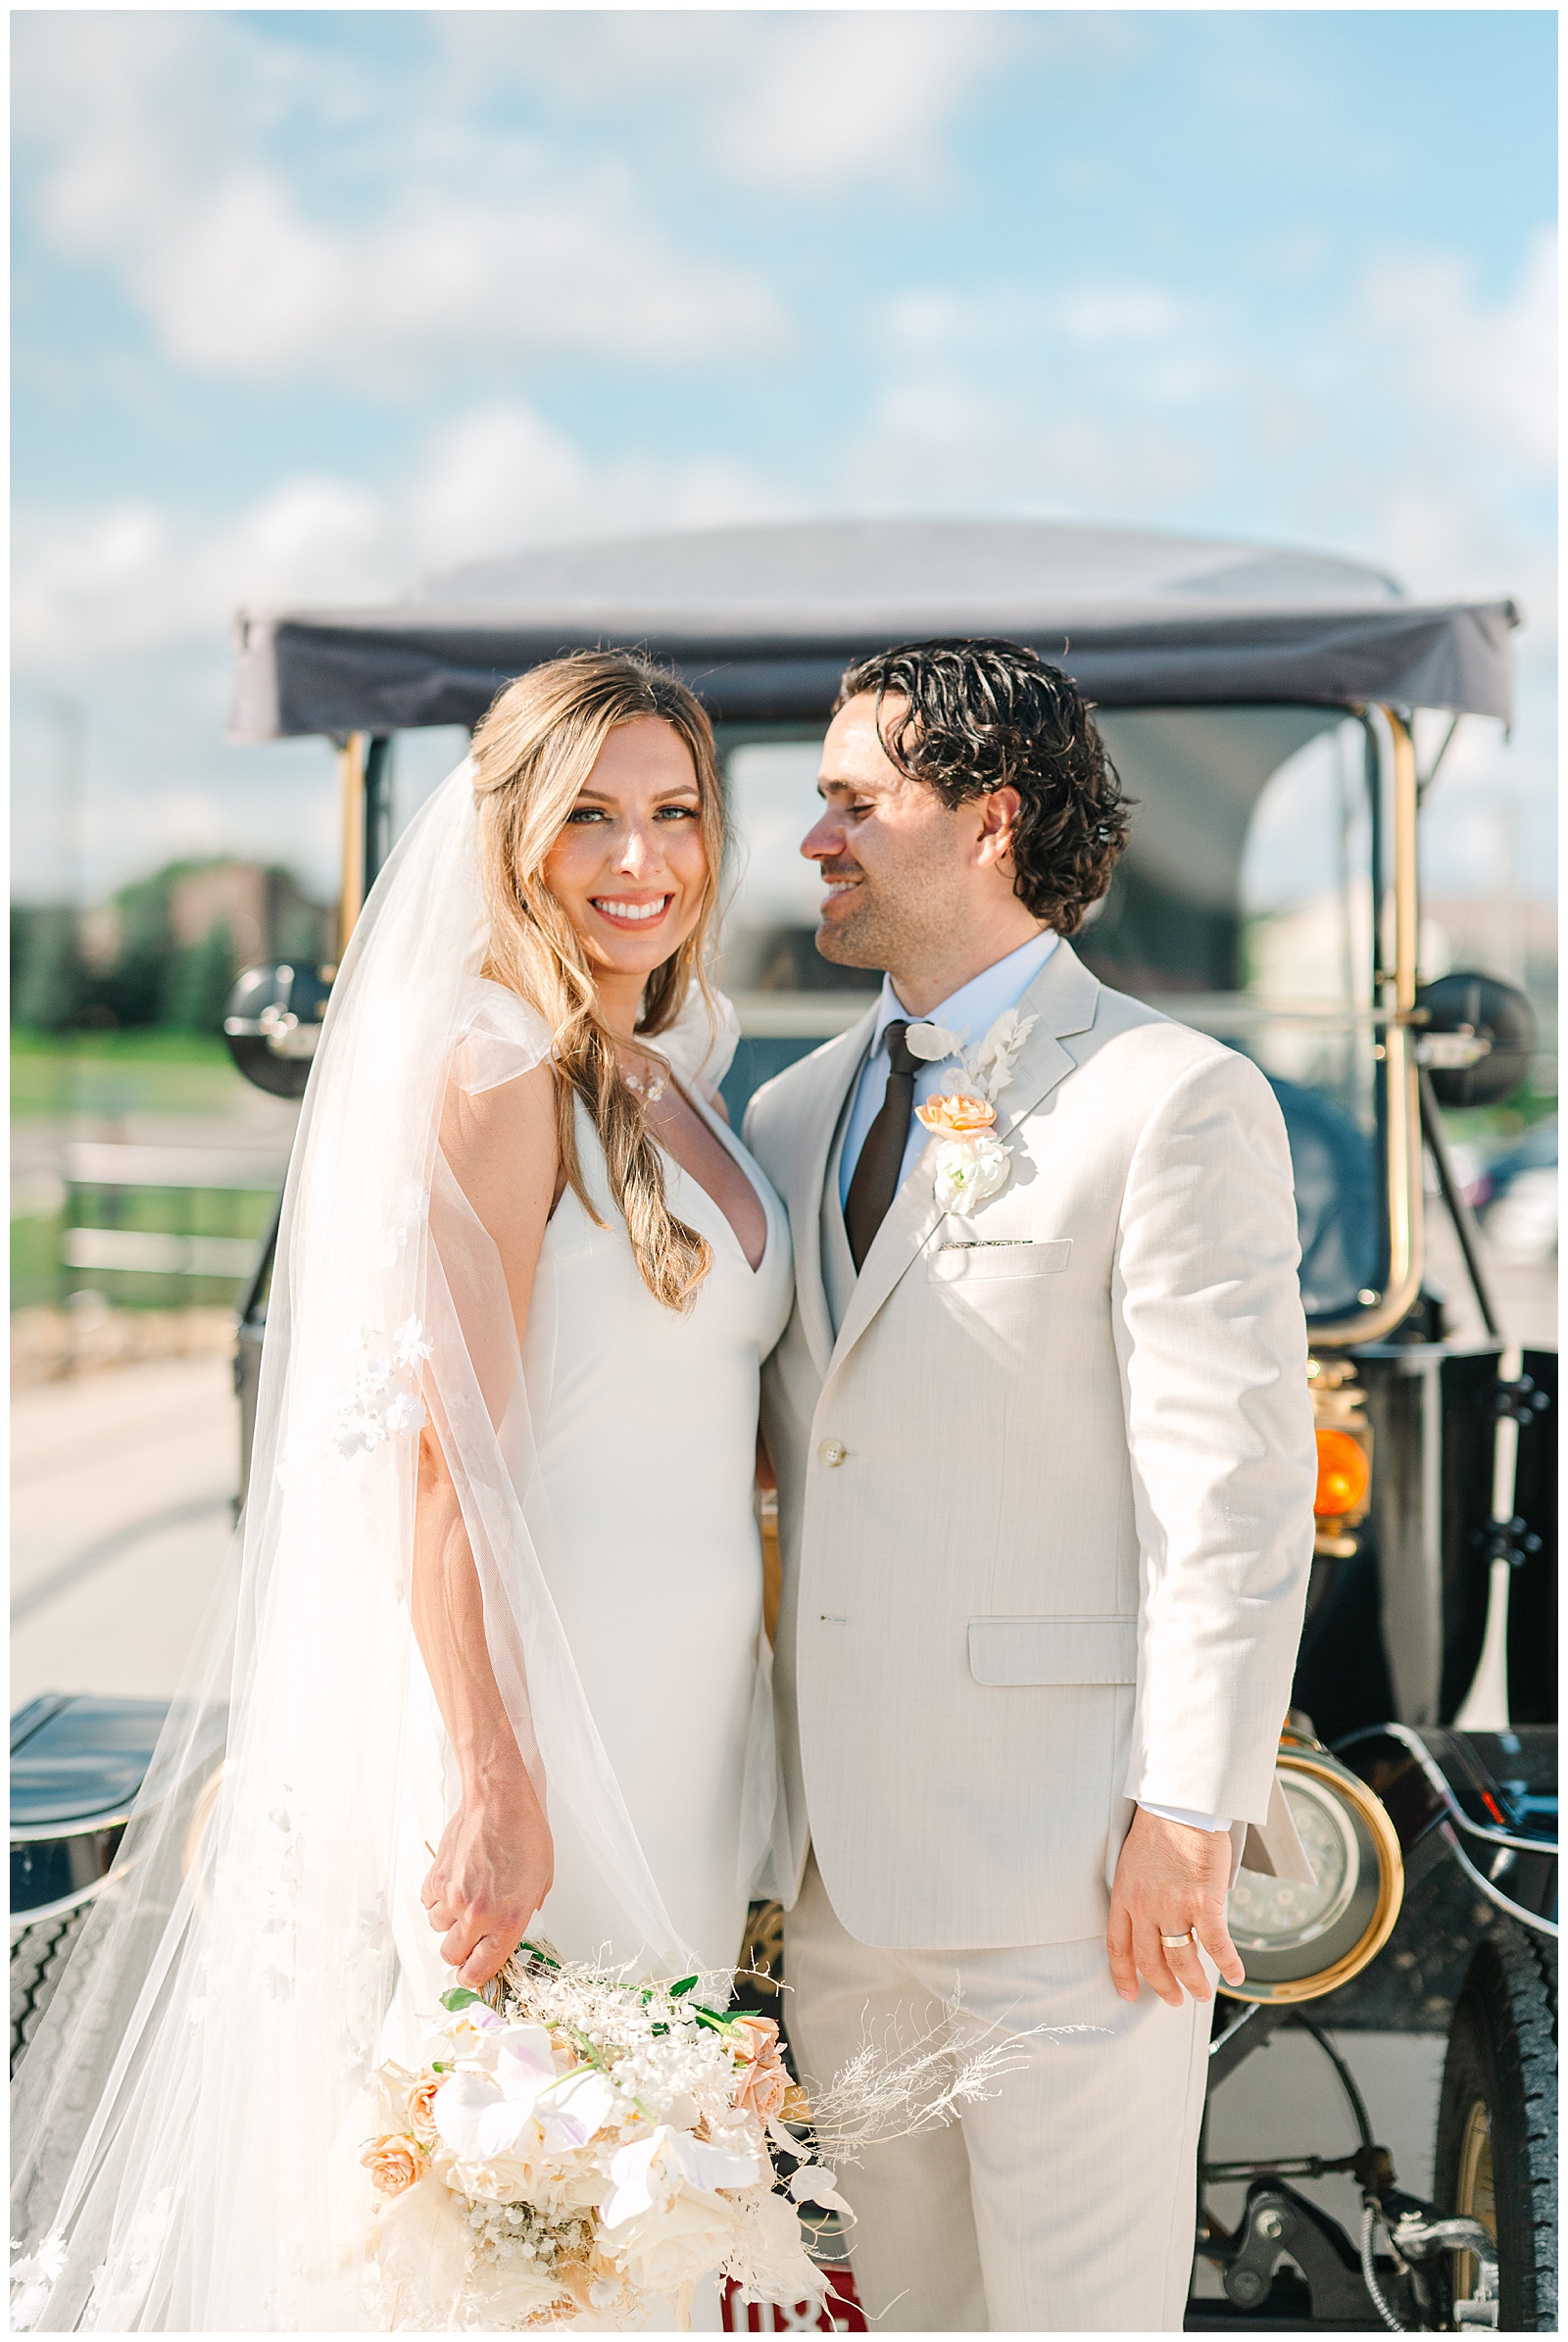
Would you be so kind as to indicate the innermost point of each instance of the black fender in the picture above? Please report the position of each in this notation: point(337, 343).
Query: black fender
point(1489, 1800)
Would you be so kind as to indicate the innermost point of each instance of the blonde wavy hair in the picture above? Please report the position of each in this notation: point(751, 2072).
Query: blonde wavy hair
point(532, 753)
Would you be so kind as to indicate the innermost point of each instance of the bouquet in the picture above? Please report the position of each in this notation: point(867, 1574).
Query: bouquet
point(587, 2149)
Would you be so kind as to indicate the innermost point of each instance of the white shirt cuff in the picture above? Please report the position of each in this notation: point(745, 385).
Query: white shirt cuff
point(1180, 1813)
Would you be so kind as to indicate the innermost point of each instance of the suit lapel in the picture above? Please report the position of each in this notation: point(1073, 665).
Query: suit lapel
point(838, 1068)
point(1061, 999)
point(911, 1216)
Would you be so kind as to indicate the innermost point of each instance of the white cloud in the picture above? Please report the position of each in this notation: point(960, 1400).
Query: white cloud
point(1494, 364)
point(842, 96)
point(1409, 428)
point(131, 576)
point(154, 139)
point(1003, 399)
point(246, 284)
point(1119, 313)
point(801, 101)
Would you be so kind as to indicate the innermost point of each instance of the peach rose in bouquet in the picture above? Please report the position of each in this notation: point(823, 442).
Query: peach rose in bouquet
point(395, 2162)
point(764, 2083)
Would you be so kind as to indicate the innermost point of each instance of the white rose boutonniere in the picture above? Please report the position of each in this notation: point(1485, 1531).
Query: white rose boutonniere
point(969, 1170)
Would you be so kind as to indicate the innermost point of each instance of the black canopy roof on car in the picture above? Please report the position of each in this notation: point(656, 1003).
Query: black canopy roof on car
point(763, 620)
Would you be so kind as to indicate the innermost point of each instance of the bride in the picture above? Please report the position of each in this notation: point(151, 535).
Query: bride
point(492, 1660)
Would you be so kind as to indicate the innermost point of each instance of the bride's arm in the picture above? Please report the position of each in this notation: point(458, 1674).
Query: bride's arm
point(493, 1867)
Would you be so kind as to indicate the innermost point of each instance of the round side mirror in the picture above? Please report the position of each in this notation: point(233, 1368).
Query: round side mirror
point(1478, 1041)
point(273, 1023)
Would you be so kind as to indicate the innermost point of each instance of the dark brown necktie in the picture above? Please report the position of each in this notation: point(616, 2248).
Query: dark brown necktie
point(876, 1175)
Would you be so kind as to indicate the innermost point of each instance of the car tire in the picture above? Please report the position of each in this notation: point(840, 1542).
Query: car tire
point(38, 1956)
point(1496, 2152)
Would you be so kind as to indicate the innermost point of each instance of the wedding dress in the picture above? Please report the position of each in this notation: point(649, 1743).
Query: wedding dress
point(188, 2120)
point(645, 1424)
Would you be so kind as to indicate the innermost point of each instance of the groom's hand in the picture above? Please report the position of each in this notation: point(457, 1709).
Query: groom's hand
point(1170, 1878)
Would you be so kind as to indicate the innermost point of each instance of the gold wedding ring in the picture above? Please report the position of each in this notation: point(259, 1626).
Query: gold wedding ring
point(1173, 1941)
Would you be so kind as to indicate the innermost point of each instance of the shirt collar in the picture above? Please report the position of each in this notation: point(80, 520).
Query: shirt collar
point(975, 1007)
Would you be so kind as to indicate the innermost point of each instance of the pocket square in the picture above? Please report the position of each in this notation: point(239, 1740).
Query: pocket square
point(967, 1260)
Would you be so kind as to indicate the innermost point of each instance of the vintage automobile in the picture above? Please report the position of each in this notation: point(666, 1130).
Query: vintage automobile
point(1263, 706)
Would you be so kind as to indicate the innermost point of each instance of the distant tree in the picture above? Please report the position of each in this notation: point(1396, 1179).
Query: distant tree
point(130, 991)
point(199, 981)
point(149, 978)
point(47, 978)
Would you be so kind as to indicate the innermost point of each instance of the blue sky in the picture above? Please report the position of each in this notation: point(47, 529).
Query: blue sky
point(308, 304)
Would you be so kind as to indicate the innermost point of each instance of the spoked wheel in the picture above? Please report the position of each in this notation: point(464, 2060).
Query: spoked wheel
point(1497, 2157)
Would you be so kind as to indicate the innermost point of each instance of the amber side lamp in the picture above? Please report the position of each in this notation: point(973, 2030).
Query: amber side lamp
point(1344, 1475)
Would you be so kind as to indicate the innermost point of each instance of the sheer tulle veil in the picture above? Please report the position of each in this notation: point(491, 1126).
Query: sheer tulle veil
point(189, 2122)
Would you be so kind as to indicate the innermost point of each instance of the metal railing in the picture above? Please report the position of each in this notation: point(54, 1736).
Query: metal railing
point(108, 1171)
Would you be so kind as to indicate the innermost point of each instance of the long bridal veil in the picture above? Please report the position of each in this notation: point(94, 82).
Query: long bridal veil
point(189, 2119)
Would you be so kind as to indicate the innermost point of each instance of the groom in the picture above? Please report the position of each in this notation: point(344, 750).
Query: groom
point(1045, 1457)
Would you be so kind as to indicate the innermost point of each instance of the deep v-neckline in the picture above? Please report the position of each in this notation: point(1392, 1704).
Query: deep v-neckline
point(727, 1139)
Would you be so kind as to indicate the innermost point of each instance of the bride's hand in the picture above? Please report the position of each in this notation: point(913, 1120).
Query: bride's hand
point(491, 1873)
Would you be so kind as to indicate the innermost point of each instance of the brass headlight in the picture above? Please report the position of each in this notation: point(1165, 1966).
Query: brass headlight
point(1297, 1941)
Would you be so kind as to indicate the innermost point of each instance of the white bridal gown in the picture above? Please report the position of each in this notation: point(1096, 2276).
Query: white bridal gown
point(645, 1424)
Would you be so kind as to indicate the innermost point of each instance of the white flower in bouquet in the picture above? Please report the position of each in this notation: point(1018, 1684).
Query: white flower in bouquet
point(665, 2223)
point(522, 2099)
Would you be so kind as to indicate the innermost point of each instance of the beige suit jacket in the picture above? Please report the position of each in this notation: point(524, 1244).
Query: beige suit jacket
point(1044, 1500)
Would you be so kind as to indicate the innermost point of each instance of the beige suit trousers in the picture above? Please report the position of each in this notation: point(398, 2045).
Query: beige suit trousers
point(1063, 2203)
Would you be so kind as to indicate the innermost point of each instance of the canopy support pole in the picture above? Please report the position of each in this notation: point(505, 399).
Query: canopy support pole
point(351, 758)
point(1401, 1119)
point(365, 786)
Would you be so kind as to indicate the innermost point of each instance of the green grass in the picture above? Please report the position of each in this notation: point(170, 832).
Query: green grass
point(154, 1070)
point(37, 1276)
point(1493, 1128)
point(36, 1262)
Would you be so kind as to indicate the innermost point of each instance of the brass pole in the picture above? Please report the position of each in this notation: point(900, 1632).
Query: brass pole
point(1401, 1090)
point(351, 782)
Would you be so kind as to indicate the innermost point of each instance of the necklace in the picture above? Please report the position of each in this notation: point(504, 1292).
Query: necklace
point(650, 1090)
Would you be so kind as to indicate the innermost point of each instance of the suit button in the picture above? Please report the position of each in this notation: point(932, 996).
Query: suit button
point(832, 1451)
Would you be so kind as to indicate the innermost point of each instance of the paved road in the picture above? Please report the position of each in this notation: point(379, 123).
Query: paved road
point(123, 1487)
point(1285, 2099)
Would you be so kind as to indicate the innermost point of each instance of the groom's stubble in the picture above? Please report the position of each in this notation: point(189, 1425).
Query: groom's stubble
point(904, 894)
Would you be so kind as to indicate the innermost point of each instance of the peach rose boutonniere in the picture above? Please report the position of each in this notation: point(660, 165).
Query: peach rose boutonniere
point(957, 1115)
point(971, 1161)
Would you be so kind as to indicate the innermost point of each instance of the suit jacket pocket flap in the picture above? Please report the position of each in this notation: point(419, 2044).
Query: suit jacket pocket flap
point(975, 1260)
point(1053, 1650)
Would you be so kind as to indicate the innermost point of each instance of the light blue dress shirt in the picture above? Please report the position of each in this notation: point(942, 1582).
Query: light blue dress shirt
point(971, 1012)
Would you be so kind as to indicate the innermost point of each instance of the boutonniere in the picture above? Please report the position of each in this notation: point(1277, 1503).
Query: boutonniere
point(972, 1163)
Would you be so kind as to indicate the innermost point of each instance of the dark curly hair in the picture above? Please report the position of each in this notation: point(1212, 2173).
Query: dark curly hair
point(982, 714)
